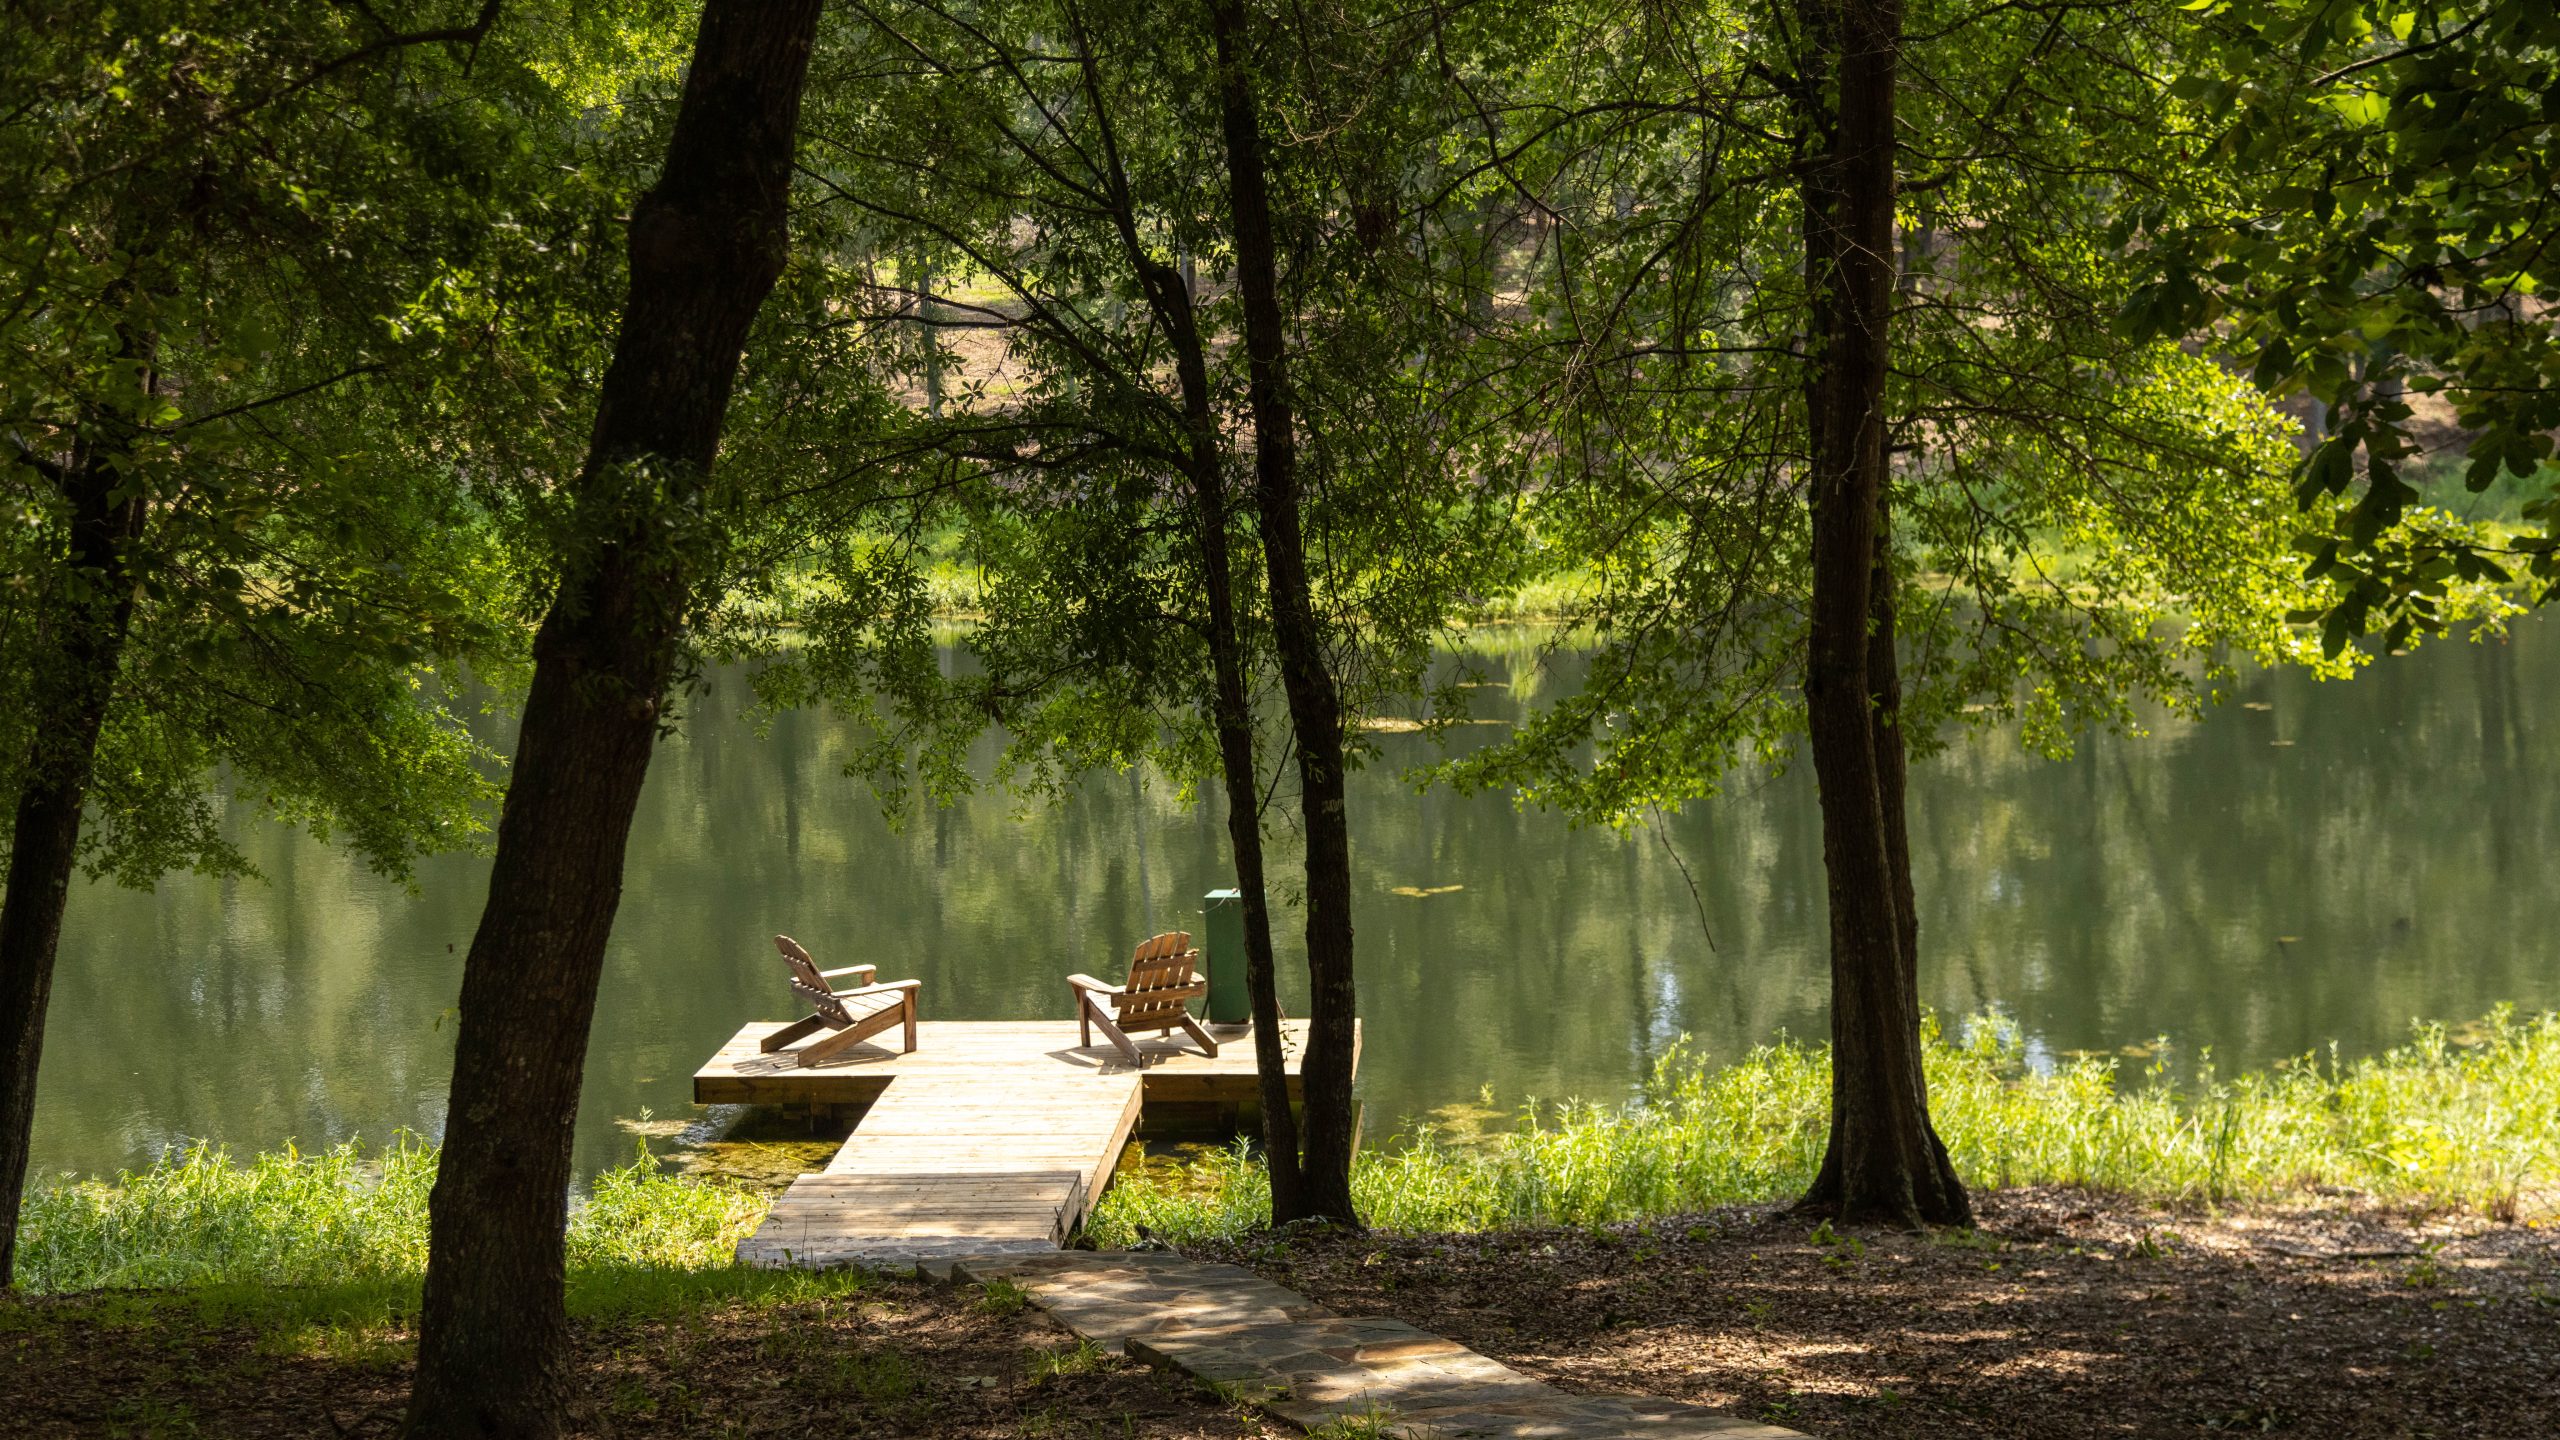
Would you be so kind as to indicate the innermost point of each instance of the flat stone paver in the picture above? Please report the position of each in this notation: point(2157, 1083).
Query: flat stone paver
point(1273, 1347)
point(1313, 1372)
point(1108, 1296)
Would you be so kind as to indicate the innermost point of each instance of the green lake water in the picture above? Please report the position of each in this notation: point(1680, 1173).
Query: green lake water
point(2311, 863)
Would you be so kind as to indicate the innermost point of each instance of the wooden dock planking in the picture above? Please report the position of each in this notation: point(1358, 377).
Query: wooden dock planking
point(988, 1137)
point(740, 1074)
point(998, 1122)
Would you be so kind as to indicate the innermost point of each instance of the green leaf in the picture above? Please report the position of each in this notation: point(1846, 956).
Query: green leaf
point(2274, 367)
point(2332, 466)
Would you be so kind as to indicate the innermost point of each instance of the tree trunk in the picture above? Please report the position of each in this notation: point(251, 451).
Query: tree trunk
point(1315, 705)
point(1884, 1161)
point(926, 314)
point(1951, 1206)
point(707, 243)
point(1231, 711)
point(80, 681)
point(1234, 715)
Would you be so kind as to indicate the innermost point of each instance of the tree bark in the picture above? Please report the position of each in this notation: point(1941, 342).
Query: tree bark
point(86, 650)
point(707, 243)
point(1231, 712)
point(1884, 1162)
point(1315, 704)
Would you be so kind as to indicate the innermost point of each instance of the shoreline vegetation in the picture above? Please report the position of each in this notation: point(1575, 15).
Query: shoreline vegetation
point(2458, 1119)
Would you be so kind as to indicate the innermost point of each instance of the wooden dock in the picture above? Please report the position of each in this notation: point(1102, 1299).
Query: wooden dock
point(991, 1138)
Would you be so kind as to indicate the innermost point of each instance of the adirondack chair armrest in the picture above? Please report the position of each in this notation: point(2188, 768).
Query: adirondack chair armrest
point(881, 989)
point(1087, 982)
point(850, 970)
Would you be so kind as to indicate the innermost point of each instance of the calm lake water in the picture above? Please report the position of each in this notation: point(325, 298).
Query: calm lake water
point(2322, 865)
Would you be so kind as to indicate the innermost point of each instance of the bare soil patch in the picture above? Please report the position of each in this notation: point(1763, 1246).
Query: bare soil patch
point(2065, 1315)
point(889, 1359)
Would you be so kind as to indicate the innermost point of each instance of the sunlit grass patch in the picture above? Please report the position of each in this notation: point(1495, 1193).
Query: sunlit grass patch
point(2434, 1122)
point(290, 1217)
point(638, 1216)
point(363, 1347)
point(312, 1229)
point(1082, 1358)
point(1001, 1297)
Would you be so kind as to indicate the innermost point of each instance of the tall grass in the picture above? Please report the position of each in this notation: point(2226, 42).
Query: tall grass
point(2472, 1124)
point(2466, 1120)
point(337, 1216)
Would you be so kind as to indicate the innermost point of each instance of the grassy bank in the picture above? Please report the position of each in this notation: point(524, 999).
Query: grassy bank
point(2466, 1118)
point(2470, 1122)
point(341, 1217)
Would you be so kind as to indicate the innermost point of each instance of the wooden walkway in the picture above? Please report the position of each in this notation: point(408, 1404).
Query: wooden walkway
point(991, 1138)
point(1254, 1342)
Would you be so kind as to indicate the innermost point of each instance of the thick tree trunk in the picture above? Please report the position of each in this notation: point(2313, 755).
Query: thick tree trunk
point(1944, 1201)
point(1231, 712)
point(85, 649)
point(1315, 705)
point(1884, 1162)
point(707, 243)
point(1884, 731)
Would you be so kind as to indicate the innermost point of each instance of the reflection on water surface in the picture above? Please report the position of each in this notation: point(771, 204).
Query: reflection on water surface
point(2311, 863)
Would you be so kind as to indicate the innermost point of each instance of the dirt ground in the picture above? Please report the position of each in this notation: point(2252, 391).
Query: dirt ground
point(2065, 1315)
point(894, 1359)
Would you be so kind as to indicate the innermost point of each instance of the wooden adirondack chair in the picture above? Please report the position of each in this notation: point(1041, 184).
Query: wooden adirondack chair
point(854, 1015)
point(1163, 977)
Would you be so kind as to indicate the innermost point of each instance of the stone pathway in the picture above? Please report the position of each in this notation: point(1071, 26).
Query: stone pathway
point(1258, 1342)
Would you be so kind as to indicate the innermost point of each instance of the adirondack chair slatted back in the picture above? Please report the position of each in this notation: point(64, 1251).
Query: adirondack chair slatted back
point(1164, 978)
point(854, 1015)
point(1162, 981)
point(811, 986)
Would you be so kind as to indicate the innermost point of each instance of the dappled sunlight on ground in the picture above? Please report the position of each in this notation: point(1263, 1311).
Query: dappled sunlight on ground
point(2065, 1315)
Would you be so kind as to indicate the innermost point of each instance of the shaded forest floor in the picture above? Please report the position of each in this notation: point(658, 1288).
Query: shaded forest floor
point(2064, 1315)
point(838, 1355)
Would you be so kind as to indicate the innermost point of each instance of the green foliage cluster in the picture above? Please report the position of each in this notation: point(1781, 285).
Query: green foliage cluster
point(2389, 231)
point(312, 300)
point(995, 187)
point(1545, 289)
point(2432, 1122)
point(2079, 518)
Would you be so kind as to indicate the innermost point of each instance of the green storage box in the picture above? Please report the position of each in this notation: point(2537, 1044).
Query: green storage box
point(1222, 955)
